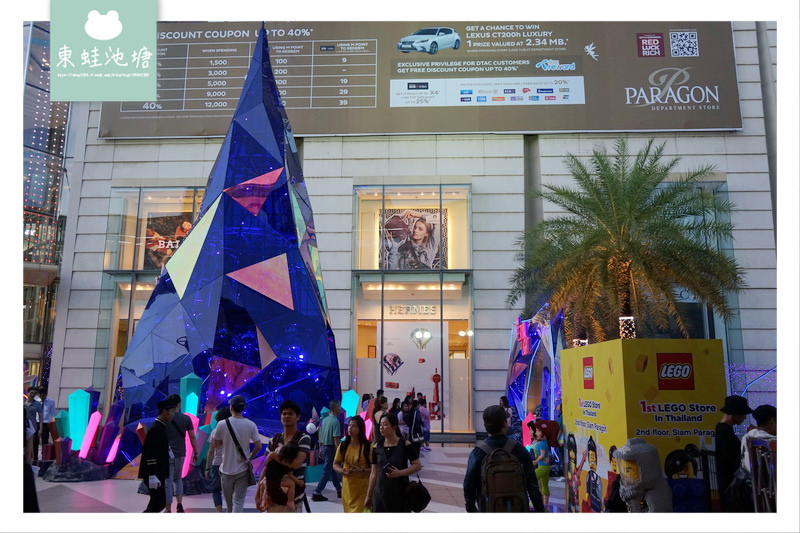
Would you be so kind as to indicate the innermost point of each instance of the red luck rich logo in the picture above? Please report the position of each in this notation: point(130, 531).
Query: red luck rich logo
point(675, 371)
point(650, 44)
point(588, 372)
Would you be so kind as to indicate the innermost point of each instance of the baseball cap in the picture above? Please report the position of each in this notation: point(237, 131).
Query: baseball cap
point(237, 402)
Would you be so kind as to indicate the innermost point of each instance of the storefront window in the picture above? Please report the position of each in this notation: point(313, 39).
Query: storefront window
point(413, 298)
point(147, 225)
point(412, 228)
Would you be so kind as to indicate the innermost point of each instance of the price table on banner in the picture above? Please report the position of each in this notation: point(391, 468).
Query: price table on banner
point(309, 74)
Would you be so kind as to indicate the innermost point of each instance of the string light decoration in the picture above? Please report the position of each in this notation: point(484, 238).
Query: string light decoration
point(759, 384)
point(47, 358)
point(44, 137)
point(43, 144)
point(627, 327)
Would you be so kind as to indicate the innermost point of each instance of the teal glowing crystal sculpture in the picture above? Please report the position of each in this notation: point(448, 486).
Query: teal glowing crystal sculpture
point(241, 303)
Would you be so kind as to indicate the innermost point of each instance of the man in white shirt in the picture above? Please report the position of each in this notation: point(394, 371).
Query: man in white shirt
point(766, 416)
point(47, 415)
point(234, 467)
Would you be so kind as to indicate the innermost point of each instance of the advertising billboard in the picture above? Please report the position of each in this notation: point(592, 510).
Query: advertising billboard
point(365, 78)
point(665, 391)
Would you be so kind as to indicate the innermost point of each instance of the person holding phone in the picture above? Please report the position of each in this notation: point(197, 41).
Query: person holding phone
point(393, 460)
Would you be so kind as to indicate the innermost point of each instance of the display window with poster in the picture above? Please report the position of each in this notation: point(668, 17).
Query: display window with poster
point(413, 239)
point(147, 225)
point(412, 228)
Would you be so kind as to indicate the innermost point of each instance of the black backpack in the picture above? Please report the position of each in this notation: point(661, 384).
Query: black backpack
point(502, 480)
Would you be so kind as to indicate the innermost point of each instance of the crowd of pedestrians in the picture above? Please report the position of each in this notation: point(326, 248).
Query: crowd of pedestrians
point(369, 472)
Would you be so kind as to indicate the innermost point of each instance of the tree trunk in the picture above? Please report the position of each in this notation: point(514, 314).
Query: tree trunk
point(622, 273)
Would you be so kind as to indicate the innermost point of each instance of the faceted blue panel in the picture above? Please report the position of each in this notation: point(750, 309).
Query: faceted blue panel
point(203, 306)
point(130, 447)
point(242, 299)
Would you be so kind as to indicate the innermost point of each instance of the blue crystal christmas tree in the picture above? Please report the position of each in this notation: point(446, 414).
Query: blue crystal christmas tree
point(241, 303)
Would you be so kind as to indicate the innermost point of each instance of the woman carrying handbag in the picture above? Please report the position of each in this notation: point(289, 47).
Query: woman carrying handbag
point(393, 460)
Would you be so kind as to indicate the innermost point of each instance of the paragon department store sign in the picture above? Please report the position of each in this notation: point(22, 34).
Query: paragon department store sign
point(359, 78)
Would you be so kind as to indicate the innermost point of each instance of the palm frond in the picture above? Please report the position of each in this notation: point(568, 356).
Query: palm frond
point(628, 236)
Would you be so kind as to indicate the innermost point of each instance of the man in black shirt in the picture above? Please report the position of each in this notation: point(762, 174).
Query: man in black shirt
point(727, 454)
point(178, 428)
point(154, 465)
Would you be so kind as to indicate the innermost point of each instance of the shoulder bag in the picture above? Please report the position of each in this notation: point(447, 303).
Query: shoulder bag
point(251, 477)
point(416, 496)
point(415, 437)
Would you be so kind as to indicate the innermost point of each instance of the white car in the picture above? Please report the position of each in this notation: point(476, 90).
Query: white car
point(430, 40)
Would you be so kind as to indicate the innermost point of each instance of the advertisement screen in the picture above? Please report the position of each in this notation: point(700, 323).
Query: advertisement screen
point(359, 78)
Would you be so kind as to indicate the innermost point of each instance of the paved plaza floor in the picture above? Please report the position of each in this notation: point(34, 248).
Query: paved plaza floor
point(442, 474)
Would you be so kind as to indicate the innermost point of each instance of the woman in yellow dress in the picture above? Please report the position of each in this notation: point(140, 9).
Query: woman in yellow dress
point(353, 461)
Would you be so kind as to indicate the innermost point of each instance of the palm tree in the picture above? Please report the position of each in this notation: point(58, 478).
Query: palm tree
point(631, 238)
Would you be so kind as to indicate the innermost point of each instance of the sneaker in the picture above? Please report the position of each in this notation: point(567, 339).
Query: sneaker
point(318, 498)
point(179, 508)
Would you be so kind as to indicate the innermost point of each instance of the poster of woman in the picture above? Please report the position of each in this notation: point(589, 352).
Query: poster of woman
point(414, 240)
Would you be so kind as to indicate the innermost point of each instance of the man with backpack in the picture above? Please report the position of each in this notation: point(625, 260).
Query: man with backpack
point(500, 476)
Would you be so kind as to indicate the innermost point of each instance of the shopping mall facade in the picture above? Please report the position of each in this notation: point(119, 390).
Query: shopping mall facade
point(129, 179)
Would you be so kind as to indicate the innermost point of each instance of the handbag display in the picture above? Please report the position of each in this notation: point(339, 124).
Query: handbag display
point(251, 477)
point(416, 496)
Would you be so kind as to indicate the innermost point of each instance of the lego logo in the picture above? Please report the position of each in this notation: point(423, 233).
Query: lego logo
point(588, 372)
point(675, 371)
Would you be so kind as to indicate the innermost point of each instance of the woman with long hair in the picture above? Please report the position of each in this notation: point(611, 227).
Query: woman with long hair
point(504, 405)
point(381, 407)
point(365, 398)
point(414, 246)
point(353, 461)
point(393, 460)
point(419, 251)
point(396, 408)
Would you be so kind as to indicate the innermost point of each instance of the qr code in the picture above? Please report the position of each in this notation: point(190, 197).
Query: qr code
point(683, 44)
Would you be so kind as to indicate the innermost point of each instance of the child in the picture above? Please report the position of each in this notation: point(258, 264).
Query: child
point(541, 453)
point(280, 481)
